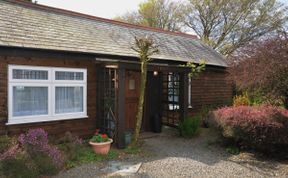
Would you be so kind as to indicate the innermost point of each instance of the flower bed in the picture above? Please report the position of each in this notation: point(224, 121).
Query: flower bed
point(32, 155)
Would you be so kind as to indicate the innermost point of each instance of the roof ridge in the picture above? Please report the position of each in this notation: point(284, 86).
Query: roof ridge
point(73, 13)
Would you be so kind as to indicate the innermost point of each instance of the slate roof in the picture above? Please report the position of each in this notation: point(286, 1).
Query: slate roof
point(36, 26)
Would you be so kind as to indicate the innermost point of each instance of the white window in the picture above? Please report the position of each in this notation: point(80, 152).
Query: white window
point(38, 94)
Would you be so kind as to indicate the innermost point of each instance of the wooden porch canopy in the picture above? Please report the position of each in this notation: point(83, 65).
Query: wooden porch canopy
point(122, 67)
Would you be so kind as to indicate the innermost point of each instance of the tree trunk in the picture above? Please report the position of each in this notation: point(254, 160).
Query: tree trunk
point(141, 102)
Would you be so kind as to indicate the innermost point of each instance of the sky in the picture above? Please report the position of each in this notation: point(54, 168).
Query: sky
point(99, 8)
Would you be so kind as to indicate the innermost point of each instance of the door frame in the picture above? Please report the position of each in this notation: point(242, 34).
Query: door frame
point(122, 67)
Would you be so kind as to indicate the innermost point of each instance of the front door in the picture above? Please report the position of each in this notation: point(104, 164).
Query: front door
point(132, 91)
point(152, 100)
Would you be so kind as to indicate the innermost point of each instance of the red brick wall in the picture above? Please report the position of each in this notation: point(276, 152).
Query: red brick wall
point(211, 88)
point(82, 127)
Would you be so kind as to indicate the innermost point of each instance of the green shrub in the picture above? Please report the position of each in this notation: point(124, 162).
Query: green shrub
point(27, 166)
point(205, 113)
point(190, 126)
point(44, 164)
point(19, 167)
point(241, 100)
point(258, 98)
point(233, 150)
point(6, 142)
point(70, 145)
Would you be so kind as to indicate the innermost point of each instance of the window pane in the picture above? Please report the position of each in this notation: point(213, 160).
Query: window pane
point(173, 91)
point(68, 99)
point(30, 74)
point(131, 84)
point(69, 75)
point(30, 101)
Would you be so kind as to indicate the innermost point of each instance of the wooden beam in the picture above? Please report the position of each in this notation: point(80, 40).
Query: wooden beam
point(154, 67)
point(184, 82)
point(121, 108)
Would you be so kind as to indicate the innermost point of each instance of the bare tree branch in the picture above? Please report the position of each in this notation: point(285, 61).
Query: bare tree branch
point(227, 25)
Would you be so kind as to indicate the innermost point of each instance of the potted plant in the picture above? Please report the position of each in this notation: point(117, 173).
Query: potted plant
point(100, 143)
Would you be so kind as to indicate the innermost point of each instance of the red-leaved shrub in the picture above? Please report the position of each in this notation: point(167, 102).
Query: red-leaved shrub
point(264, 128)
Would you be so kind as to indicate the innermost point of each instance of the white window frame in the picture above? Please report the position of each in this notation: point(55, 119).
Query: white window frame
point(51, 83)
point(189, 92)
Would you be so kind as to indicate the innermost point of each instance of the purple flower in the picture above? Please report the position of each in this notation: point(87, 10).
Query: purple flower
point(36, 137)
point(55, 155)
point(36, 140)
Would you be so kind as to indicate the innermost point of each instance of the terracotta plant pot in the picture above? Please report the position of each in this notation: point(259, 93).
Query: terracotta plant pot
point(101, 148)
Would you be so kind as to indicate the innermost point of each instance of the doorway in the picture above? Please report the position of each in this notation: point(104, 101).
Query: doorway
point(153, 103)
point(132, 91)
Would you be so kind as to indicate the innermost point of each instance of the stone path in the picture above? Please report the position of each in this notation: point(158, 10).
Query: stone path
point(167, 156)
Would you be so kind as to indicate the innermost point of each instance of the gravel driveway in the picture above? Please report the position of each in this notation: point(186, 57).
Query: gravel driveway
point(170, 156)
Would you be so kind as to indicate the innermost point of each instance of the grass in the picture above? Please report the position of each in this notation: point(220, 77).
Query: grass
point(83, 154)
point(133, 150)
point(86, 155)
point(234, 150)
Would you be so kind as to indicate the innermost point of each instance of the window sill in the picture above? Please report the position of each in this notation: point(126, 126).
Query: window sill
point(31, 121)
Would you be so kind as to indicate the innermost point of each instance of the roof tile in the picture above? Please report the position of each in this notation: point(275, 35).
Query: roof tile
point(25, 26)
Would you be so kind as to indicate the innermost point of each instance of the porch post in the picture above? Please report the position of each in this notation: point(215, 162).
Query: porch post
point(121, 108)
point(183, 95)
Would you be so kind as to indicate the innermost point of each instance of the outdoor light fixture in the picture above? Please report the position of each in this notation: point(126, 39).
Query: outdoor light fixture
point(111, 66)
point(155, 73)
